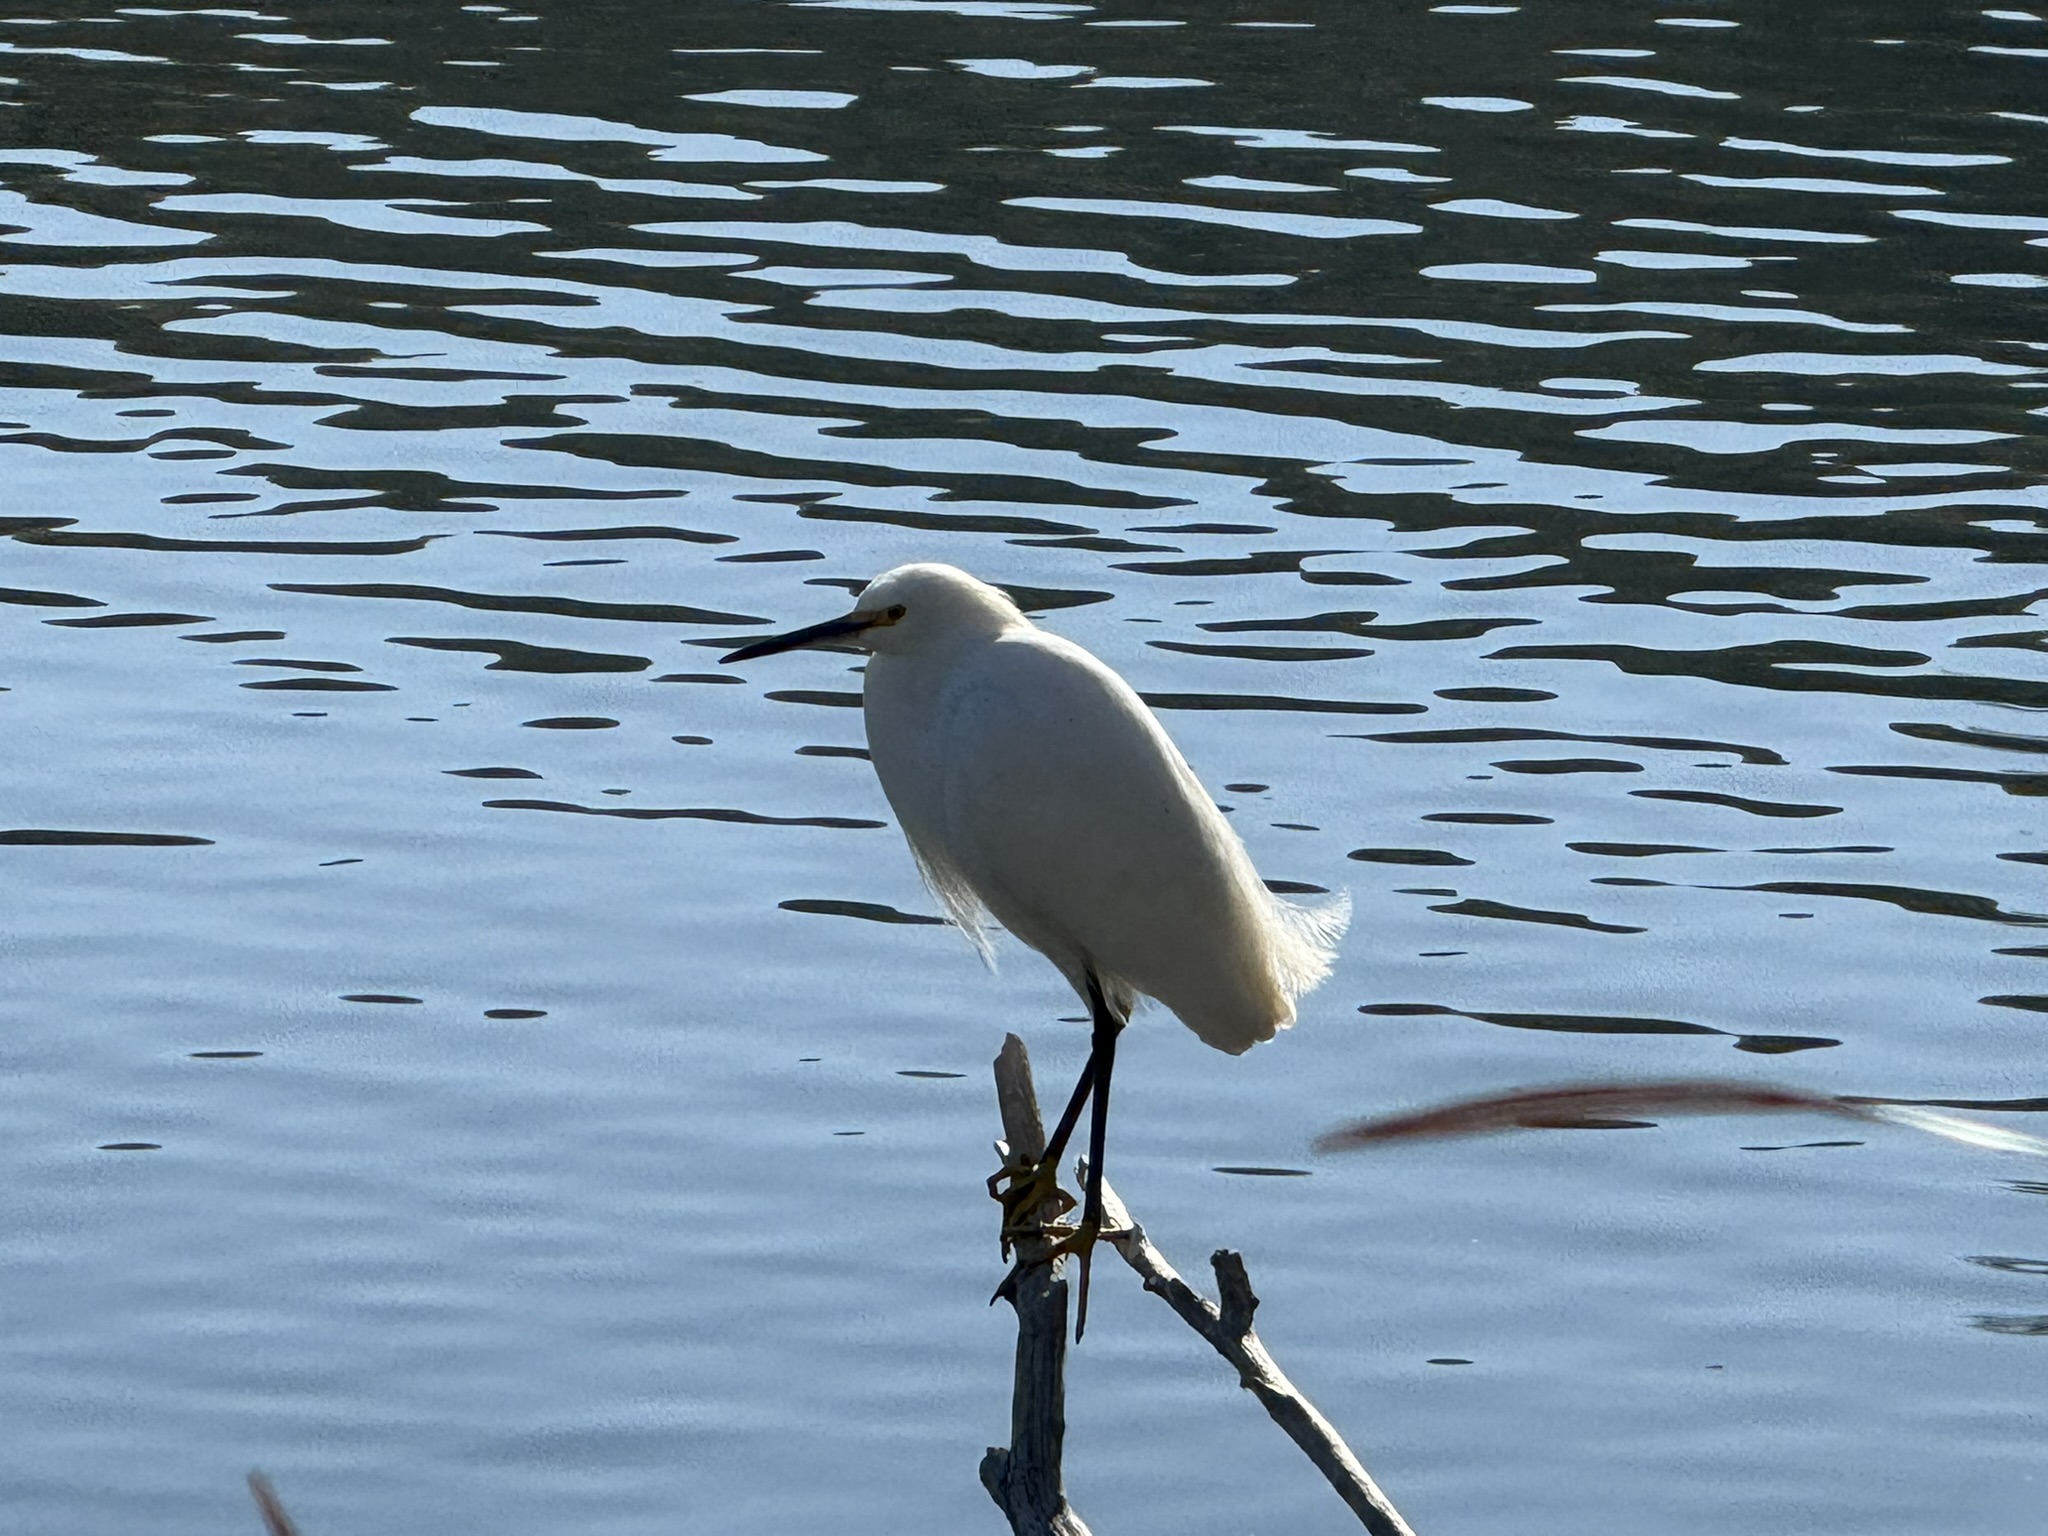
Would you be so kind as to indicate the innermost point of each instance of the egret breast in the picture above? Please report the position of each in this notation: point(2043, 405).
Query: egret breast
point(1025, 771)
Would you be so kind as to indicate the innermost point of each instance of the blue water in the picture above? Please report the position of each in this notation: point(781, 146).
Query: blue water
point(1569, 477)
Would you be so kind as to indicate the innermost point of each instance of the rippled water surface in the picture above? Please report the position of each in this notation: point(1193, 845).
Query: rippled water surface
point(1570, 475)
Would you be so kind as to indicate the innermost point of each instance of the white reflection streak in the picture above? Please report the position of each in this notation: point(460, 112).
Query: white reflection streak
point(1974, 1133)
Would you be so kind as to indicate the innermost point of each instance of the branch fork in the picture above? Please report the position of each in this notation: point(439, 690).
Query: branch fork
point(1026, 1480)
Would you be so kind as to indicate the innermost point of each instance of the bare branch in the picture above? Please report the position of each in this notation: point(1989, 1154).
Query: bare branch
point(1017, 1099)
point(1025, 1480)
point(1228, 1329)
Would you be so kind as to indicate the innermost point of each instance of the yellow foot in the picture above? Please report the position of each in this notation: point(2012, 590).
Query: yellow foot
point(1029, 1188)
point(1079, 1242)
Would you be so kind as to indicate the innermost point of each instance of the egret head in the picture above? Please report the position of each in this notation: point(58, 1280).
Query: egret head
point(903, 611)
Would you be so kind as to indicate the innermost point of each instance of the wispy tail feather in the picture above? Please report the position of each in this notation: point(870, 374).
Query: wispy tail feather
point(1305, 941)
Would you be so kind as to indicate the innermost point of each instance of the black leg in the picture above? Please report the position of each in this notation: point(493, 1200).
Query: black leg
point(1102, 1060)
point(1056, 1148)
point(1029, 1188)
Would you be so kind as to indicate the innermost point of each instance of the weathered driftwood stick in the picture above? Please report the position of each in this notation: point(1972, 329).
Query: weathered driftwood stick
point(275, 1521)
point(1228, 1328)
point(1025, 1480)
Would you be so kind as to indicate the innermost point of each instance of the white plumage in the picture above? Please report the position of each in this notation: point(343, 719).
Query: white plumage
point(1034, 784)
point(1035, 788)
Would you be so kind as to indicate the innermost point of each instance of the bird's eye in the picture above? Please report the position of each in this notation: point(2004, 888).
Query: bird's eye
point(894, 612)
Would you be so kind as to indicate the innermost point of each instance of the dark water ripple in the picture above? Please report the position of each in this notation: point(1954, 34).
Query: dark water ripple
point(44, 837)
point(691, 813)
point(1669, 384)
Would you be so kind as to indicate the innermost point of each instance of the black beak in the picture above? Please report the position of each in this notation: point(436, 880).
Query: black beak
point(815, 634)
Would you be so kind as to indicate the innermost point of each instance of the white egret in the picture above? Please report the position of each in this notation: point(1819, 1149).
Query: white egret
point(1036, 788)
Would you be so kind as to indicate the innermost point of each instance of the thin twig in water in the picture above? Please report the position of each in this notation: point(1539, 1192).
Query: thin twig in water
point(275, 1521)
point(1587, 1106)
